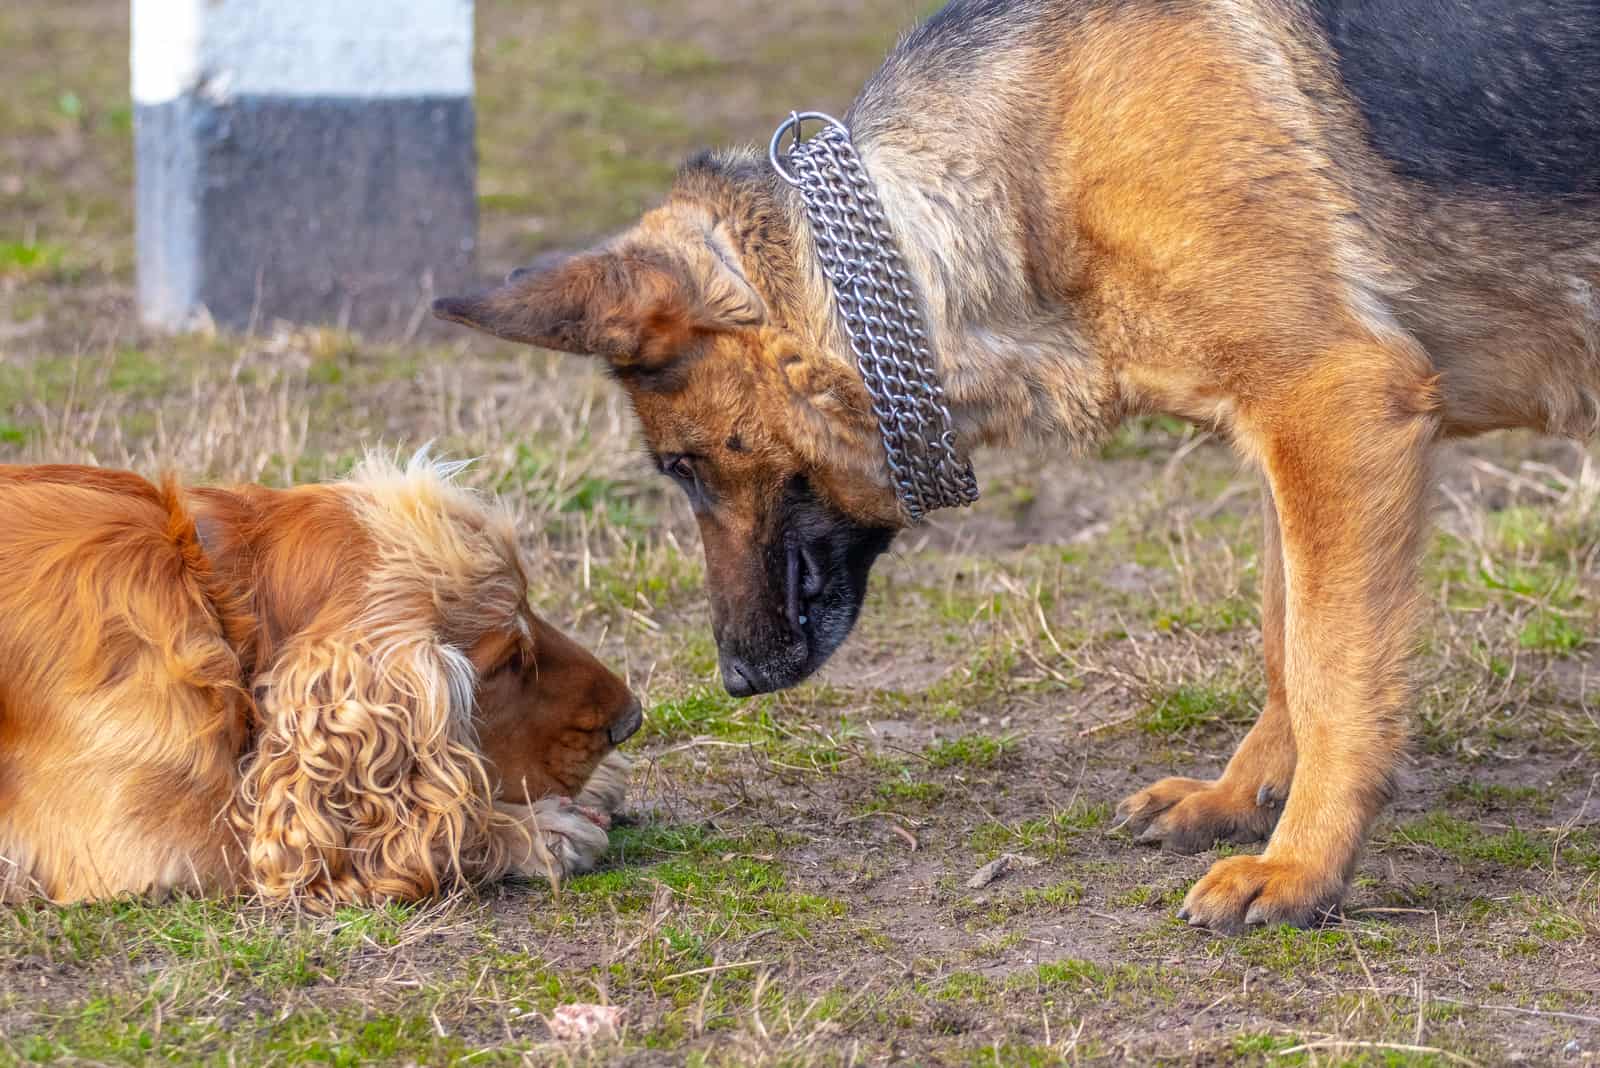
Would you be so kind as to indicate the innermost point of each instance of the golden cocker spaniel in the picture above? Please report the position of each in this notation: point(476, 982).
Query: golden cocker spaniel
point(324, 694)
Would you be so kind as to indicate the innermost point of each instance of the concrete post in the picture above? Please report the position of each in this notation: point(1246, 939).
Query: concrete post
point(311, 160)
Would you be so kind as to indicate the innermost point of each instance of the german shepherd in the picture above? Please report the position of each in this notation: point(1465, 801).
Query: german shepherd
point(1332, 231)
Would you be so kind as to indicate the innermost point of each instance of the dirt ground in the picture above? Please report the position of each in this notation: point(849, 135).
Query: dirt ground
point(791, 883)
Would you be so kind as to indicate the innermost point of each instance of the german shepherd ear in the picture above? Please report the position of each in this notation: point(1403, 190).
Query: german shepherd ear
point(637, 305)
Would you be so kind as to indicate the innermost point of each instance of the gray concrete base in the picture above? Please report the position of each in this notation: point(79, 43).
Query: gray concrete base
point(346, 211)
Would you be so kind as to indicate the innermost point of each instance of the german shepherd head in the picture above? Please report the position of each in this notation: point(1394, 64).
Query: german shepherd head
point(701, 313)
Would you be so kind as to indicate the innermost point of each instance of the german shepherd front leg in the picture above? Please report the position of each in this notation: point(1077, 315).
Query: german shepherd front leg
point(1189, 815)
point(1344, 450)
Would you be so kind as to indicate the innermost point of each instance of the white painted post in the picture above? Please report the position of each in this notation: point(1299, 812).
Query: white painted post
point(310, 160)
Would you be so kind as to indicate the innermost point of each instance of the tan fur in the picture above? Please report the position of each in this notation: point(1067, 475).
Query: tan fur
point(1139, 207)
point(276, 691)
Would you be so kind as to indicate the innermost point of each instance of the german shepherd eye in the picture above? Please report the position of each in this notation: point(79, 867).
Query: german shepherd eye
point(681, 468)
point(684, 469)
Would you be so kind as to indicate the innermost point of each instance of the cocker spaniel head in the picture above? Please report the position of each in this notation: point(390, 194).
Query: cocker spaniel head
point(548, 711)
point(411, 704)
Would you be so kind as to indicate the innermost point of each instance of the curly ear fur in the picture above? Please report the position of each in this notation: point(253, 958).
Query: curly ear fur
point(365, 785)
point(367, 781)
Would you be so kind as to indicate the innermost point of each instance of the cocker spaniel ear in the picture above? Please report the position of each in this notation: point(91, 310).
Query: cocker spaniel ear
point(366, 784)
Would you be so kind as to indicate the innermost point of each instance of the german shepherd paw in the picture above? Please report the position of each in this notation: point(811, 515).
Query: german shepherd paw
point(1242, 892)
point(1191, 815)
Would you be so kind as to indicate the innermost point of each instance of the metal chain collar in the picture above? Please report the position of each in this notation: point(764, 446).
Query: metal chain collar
point(882, 315)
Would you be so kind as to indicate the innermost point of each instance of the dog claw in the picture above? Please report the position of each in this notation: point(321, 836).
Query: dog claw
point(595, 816)
point(1267, 797)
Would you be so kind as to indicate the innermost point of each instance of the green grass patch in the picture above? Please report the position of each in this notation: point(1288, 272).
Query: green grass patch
point(1549, 535)
point(1050, 836)
point(560, 482)
point(121, 1030)
point(965, 986)
point(1146, 896)
point(726, 885)
point(1022, 1055)
point(910, 791)
point(1209, 617)
point(1193, 705)
point(1144, 436)
point(214, 940)
point(1287, 950)
point(969, 751)
point(1476, 583)
point(1269, 1046)
point(130, 373)
point(29, 259)
point(1514, 848)
point(1059, 896)
point(709, 711)
point(1492, 797)
point(1120, 983)
point(1546, 632)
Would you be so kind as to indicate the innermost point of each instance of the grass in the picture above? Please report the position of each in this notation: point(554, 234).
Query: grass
point(28, 259)
point(1190, 706)
point(791, 885)
point(969, 750)
point(1511, 848)
point(1051, 835)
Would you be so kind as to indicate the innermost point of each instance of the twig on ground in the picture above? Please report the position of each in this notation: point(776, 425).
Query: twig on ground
point(1550, 1013)
point(1108, 724)
point(714, 968)
point(1395, 1047)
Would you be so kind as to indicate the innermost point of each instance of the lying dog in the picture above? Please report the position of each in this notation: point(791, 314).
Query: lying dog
point(332, 693)
point(1331, 231)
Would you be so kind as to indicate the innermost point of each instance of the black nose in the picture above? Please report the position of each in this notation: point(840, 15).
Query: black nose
point(739, 678)
point(624, 726)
